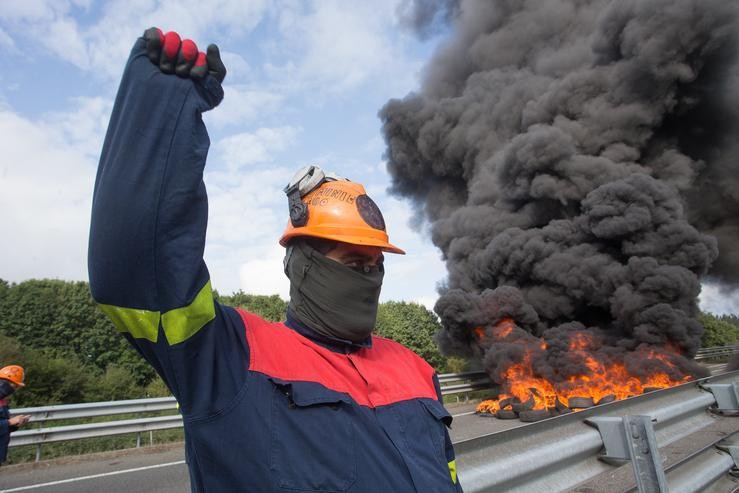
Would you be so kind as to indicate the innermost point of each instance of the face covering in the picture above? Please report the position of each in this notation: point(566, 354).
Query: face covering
point(5, 388)
point(331, 298)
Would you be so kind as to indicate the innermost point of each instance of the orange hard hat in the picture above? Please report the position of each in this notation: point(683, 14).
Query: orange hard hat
point(341, 210)
point(13, 373)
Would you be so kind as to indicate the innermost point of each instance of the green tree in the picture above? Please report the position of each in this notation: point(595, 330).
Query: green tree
point(455, 364)
point(62, 318)
point(157, 388)
point(269, 307)
point(114, 385)
point(413, 326)
point(10, 351)
point(4, 287)
point(51, 380)
point(718, 331)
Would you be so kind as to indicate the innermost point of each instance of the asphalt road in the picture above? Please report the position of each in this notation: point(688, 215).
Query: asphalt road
point(157, 469)
point(162, 469)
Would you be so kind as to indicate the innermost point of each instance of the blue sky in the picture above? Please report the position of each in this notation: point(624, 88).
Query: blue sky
point(306, 80)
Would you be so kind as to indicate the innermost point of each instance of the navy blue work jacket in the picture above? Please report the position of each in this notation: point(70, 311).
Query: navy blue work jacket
point(5, 430)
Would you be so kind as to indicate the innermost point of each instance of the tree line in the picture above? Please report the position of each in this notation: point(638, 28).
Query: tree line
point(72, 352)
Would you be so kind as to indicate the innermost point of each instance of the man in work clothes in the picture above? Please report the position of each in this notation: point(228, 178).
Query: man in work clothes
point(315, 403)
point(11, 377)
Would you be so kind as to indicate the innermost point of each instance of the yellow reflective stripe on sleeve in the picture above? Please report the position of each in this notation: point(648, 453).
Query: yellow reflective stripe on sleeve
point(179, 324)
point(182, 323)
point(453, 470)
point(141, 324)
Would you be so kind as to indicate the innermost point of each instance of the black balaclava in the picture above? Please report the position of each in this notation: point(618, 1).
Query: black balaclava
point(329, 297)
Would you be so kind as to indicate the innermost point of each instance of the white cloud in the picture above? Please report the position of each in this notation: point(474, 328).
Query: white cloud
point(244, 204)
point(247, 213)
point(719, 300)
point(427, 301)
point(103, 46)
point(340, 43)
point(265, 275)
point(85, 126)
point(336, 46)
point(242, 104)
point(238, 68)
point(6, 42)
point(46, 182)
point(414, 276)
point(63, 38)
point(34, 10)
point(261, 146)
point(50, 24)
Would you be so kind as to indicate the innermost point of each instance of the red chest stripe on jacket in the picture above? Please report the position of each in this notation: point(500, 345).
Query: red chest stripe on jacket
point(383, 374)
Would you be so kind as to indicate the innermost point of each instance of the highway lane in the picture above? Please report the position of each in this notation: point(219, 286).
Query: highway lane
point(148, 469)
point(162, 469)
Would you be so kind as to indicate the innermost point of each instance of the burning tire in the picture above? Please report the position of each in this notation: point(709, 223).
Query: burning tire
point(580, 402)
point(534, 415)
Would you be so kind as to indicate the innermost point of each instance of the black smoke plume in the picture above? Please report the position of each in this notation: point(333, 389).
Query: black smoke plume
point(578, 165)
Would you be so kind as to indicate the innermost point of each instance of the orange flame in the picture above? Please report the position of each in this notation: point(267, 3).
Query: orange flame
point(479, 333)
point(581, 341)
point(503, 328)
point(488, 406)
point(600, 377)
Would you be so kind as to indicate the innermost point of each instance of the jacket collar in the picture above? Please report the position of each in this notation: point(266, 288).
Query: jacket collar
point(333, 343)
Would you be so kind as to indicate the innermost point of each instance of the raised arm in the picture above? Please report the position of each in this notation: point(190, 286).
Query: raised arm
point(149, 212)
point(150, 208)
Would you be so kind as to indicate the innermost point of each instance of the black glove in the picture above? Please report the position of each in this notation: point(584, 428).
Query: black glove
point(181, 57)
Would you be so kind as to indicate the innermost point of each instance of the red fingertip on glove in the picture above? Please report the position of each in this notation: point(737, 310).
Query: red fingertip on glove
point(200, 60)
point(189, 49)
point(171, 44)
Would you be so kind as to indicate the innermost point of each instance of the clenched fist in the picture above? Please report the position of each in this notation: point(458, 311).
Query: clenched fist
point(181, 57)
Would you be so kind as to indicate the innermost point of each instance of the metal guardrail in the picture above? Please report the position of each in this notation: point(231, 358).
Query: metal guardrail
point(39, 436)
point(715, 352)
point(95, 409)
point(90, 430)
point(457, 383)
point(692, 447)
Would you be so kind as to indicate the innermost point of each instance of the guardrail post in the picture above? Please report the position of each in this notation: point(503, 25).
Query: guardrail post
point(632, 438)
point(38, 452)
point(138, 439)
point(733, 450)
point(726, 394)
